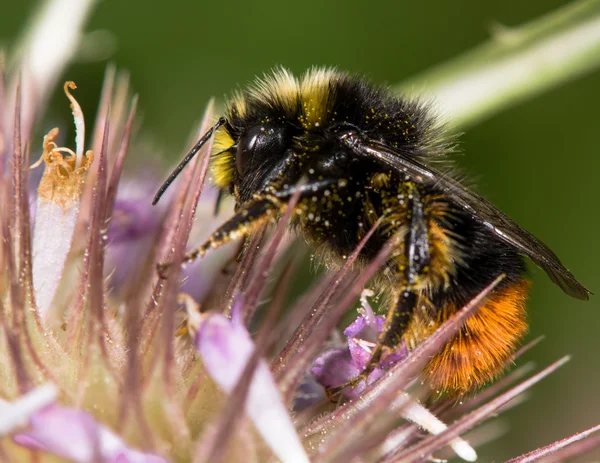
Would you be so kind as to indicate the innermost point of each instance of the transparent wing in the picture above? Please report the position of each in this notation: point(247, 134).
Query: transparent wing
point(482, 211)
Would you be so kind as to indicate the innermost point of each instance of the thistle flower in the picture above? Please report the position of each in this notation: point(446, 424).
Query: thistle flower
point(104, 360)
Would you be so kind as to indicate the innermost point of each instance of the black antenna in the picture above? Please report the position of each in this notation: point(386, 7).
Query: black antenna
point(188, 157)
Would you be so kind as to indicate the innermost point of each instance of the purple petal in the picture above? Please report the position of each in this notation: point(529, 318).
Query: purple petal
point(133, 217)
point(75, 435)
point(338, 366)
point(225, 347)
point(356, 327)
point(334, 368)
point(131, 220)
point(132, 229)
point(135, 224)
point(309, 393)
point(361, 340)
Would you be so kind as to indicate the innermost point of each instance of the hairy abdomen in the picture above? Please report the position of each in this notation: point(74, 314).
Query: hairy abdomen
point(482, 348)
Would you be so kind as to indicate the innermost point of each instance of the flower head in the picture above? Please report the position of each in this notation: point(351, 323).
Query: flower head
point(106, 359)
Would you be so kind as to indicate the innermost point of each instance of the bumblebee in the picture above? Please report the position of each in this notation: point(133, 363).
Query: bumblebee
point(366, 154)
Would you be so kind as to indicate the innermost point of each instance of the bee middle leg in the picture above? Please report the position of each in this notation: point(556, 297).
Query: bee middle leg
point(411, 267)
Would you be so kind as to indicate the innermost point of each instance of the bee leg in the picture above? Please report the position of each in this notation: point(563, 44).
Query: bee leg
point(243, 223)
point(250, 216)
point(390, 338)
point(414, 262)
point(220, 195)
point(395, 323)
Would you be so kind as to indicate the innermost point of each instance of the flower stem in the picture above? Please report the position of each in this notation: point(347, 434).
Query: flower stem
point(514, 65)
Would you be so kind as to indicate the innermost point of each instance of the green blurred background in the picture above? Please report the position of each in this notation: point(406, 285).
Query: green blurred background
point(538, 162)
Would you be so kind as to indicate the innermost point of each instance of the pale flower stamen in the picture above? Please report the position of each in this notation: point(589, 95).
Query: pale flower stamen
point(59, 195)
point(79, 123)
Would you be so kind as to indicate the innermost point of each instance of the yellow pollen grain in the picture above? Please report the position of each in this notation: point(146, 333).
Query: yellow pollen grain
point(62, 182)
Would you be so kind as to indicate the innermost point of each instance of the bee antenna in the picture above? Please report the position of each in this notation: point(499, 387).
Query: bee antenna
point(188, 157)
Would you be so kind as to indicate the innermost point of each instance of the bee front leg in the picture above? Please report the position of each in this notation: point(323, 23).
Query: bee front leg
point(251, 216)
point(243, 223)
point(247, 220)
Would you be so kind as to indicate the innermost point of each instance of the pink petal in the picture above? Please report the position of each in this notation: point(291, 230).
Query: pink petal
point(15, 414)
point(75, 435)
point(225, 347)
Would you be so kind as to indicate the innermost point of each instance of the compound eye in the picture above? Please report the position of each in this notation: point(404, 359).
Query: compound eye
point(246, 146)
